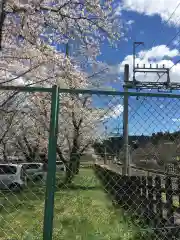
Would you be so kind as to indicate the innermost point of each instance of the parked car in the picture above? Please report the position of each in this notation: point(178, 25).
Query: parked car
point(60, 166)
point(34, 171)
point(12, 176)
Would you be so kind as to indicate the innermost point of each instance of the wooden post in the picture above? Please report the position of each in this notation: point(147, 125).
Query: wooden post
point(137, 193)
point(150, 198)
point(126, 191)
point(169, 199)
point(178, 183)
point(131, 189)
point(112, 181)
point(116, 186)
point(144, 196)
point(120, 190)
point(159, 204)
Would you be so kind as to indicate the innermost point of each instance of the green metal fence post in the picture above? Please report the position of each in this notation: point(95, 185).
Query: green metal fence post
point(51, 174)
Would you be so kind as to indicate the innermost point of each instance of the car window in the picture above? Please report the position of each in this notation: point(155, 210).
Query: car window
point(32, 166)
point(59, 163)
point(7, 169)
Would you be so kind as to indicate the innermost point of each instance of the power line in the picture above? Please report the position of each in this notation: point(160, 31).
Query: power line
point(174, 64)
point(166, 22)
point(169, 70)
point(170, 17)
point(173, 38)
point(173, 13)
point(168, 44)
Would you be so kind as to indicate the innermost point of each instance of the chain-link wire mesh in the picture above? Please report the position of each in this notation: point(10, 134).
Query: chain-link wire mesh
point(94, 197)
point(85, 122)
point(151, 193)
point(24, 135)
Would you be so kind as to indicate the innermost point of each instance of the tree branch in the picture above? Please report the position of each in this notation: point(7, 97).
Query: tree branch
point(84, 148)
point(96, 73)
point(17, 92)
point(5, 133)
point(28, 145)
point(20, 146)
point(2, 19)
point(22, 74)
point(74, 121)
point(60, 154)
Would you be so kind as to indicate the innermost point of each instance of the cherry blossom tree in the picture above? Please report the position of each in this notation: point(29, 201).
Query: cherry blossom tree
point(27, 27)
point(89, 21)
point(30, 31)
point(79, 121)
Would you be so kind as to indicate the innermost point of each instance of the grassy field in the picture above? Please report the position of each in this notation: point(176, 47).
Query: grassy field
point(82, 212)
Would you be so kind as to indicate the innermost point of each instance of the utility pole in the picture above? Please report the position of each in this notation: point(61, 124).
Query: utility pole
point(126, 165)
point(141, 85)
point(160, 71)
point(135, 45)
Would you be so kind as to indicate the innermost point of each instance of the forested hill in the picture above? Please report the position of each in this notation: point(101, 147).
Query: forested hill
point(114, 144)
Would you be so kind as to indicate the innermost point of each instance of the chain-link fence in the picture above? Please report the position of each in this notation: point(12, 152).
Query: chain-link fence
point(115, 179)
point(27, 117)
point(150, 194)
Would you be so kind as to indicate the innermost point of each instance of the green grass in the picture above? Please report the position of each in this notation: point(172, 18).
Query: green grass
point(82, 212)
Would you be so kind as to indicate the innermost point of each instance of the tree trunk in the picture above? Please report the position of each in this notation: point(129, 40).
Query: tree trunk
point(69, 173)
point(72, 168)
point(5, 159)
point(77, 165)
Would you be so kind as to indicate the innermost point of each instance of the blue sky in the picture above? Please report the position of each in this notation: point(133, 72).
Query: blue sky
point(144, 28)
point(152, 30)
point(155, 23)
point(146, 115)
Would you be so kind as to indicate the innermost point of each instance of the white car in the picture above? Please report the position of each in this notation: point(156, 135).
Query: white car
point(12, 176)
point(34, 171)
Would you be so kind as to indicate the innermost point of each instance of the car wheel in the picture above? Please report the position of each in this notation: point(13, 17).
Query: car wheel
point(15, 187)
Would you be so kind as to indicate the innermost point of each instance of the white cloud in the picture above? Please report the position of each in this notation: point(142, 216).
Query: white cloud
point(157, 55)
point(115, 112)
point(158, 52)
point(163, 8)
